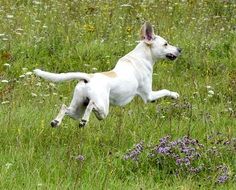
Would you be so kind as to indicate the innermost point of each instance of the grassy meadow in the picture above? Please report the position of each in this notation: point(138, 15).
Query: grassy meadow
point(90, 36)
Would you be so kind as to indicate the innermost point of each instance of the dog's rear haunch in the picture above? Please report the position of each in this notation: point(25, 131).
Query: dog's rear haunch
point(131, 76)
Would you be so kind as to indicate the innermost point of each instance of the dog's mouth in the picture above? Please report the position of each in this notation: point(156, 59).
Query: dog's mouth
point(171, 56)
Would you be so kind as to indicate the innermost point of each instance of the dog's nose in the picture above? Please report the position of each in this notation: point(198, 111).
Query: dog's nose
point(179, 49)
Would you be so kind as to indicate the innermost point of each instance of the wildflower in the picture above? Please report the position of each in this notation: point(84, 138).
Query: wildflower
point(33, 94)
point(52, 84)
point(4, 81)
point(195, 170)
point(94, 69)
point(129, 29)
point(1, 35)
point(5, 102)
point(80, 158)
point(222, 178)
point(210, 93)
point(38, 84)
point(134, 153)
point(5, 39)
point(89, 27)
point(19, 29)
point(36, 2)
point(164, 140)
point(28, 73)
point(6, 65)
point(22, 76)
point(9, 16)
point(224, 174)
point(86, 65)
point(126, 5)
point(164, 150)
point(8, 165)
point(18, 33)
point(208, 87)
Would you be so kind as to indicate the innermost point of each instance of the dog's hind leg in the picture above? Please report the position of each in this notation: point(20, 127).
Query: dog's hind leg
point(57, 121)
point(77, 106)
point(87, 113)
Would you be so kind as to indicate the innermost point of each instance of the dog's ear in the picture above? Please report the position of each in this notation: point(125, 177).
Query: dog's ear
point(147, 33)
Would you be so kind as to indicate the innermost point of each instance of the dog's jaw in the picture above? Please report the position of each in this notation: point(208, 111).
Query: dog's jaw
point(171, 56)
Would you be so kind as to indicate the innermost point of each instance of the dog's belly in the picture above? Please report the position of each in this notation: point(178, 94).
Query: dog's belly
point(121, 101)
point(122, 96)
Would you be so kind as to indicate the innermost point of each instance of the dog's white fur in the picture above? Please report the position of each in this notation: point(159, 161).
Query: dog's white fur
point(131, 76)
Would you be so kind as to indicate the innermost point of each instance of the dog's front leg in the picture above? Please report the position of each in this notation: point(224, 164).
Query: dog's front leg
point(154, 95)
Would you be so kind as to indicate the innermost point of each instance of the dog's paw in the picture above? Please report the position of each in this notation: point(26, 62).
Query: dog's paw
point(82, 123)
point(37, 72)
point(174, 95)
point(54, 123)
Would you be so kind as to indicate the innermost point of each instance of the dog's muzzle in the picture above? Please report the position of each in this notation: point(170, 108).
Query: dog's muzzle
point(171, 56)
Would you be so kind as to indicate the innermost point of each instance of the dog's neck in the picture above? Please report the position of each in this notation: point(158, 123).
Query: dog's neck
point(143, 51)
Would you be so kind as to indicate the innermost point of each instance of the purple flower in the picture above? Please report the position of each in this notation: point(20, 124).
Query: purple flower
point(186, 161)
point(80, 158)
point(223, 178)
point(134, 153)
point(179, 161)
point(164, 140)
point(164, 150)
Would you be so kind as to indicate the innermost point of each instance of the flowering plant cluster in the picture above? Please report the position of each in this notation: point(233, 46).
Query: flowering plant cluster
point(186, 156)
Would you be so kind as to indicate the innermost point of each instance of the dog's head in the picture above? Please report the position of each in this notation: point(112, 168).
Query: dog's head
point(160, 48)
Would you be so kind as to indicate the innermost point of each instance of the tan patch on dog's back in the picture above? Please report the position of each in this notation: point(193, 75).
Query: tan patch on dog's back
point(110, 74)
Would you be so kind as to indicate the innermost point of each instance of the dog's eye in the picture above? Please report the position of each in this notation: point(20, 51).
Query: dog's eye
point(166, 44)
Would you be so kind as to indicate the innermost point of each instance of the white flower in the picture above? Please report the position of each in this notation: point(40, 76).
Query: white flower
point(1, 35)
point(5, 102)
point(33, 94)
point(52, 84)
point(230, 110)
point(18, 33)
point(94, 69)
point(28, 73)
point(24, 69)
point(5, 39)
point(22, 76)
point(4, 81)
point(38, 84)
point(208, 87)
point(10, 16)
point(37, 2)
point(6, 65)
point(211, 92)
point(8, 165)
point(127, 5)
point(19, 29)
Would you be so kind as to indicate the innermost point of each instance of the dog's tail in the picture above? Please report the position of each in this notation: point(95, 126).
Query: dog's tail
point(59, 77)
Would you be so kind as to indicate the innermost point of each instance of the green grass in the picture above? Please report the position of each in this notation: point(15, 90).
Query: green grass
point(61, 36)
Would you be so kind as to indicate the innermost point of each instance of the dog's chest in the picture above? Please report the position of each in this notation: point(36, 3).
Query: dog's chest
point(122, 95)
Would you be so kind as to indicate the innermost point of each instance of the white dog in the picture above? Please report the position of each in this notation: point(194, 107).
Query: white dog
point(131, 76)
